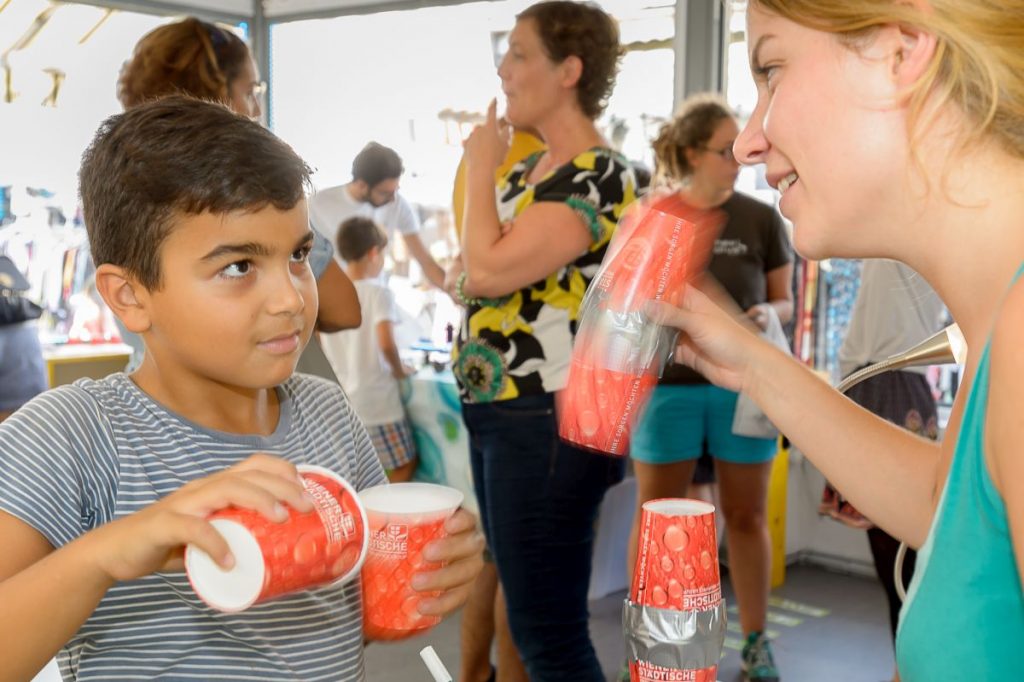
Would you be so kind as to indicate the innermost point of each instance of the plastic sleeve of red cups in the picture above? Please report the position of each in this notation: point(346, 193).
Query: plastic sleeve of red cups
point(618, 354)
point(668, 645)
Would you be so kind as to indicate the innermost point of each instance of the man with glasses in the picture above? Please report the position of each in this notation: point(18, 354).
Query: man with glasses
point(373, 193)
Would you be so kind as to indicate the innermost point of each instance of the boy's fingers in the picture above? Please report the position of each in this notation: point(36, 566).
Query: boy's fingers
point(452, 576)
point(459, 522)
point(285, 490)
point(445, 603)
point(454, 547)
point(233, 492)
point(192, 530)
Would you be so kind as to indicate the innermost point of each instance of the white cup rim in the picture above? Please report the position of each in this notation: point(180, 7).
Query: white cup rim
point(670, 506)
point(410, 498)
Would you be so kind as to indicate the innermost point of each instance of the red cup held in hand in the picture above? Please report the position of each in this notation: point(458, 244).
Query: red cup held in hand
point(403, 519)
point(324, 546)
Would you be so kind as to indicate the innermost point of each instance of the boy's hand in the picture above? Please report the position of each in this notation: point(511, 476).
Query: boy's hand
point(154, 539)
point(461, 552)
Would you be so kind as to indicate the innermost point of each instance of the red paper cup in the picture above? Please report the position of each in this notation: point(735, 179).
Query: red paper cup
point(677, 562)
point(403, 518)
point(600, 407)
point(325, 546)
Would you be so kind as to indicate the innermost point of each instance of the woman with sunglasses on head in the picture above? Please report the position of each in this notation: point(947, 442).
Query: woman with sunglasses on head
point(202, 60)
point(687, 416)
point(896, 130)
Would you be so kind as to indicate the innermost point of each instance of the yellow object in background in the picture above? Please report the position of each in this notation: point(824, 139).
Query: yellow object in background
point(523, 144)
point(68, 363)
point(777, 485)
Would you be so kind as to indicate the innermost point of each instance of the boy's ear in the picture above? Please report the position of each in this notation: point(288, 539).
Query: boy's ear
point(124, 296)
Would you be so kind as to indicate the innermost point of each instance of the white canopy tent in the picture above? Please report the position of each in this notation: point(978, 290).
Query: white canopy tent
point(698, 39)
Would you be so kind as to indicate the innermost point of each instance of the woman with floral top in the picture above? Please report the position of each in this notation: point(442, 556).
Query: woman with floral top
point(528, 254)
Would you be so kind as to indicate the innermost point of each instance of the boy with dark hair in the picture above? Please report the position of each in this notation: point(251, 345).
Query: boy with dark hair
point(366, 359)
point(358, 238)
point(198, 228)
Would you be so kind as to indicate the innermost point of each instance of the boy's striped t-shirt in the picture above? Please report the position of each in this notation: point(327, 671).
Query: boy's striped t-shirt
point(82, 455)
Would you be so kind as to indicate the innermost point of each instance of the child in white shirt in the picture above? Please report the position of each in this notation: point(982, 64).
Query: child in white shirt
point(366, 359)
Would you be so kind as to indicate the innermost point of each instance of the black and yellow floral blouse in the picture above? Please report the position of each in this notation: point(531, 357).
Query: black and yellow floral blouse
point(521, 344)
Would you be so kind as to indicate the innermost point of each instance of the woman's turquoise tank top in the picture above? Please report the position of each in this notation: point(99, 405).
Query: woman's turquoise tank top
point(964, 614)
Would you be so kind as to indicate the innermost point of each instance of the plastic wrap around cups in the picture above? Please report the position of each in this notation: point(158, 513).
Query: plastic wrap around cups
point(403, 519)
point(325, 546)
point(660, 246)
point(674, 620)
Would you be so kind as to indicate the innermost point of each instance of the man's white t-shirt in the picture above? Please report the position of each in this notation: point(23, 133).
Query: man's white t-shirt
point(329, 207)
point(355, 355)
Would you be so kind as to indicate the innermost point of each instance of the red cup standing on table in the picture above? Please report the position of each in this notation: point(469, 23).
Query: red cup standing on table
point(674, 620)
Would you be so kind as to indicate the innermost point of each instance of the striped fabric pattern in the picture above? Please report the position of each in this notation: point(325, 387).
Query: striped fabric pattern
point(82, 455)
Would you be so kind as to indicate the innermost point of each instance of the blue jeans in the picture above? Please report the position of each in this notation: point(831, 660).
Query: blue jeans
point(538, 502)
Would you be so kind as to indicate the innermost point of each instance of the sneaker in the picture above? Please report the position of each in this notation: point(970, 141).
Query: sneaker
point(758, 663)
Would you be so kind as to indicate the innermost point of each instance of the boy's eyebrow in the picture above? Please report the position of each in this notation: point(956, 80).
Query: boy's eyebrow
point(245, 249)
point(250, 248)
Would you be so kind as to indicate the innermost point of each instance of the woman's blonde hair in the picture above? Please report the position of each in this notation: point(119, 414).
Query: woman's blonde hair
point(691, 128)
point(979, 58)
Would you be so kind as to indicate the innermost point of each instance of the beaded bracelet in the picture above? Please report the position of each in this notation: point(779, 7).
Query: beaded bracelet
point(460, 290)
point(460, 295)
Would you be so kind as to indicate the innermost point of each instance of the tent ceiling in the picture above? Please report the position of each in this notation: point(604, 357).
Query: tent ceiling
point(273, 9)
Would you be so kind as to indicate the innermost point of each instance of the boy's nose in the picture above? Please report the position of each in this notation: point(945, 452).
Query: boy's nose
point(286, 295)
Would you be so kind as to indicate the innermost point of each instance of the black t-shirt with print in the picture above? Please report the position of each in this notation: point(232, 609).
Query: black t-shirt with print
point(753, 242)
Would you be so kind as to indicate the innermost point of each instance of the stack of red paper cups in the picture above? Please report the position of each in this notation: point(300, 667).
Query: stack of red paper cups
point(660, 246)
point(674, 619)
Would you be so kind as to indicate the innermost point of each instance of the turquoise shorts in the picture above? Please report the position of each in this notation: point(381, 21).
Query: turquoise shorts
point(681, 420)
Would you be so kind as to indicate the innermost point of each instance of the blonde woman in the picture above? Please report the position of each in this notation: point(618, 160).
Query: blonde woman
point(896, 130)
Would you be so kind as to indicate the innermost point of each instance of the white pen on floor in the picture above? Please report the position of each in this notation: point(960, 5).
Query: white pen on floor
point(434, 665)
